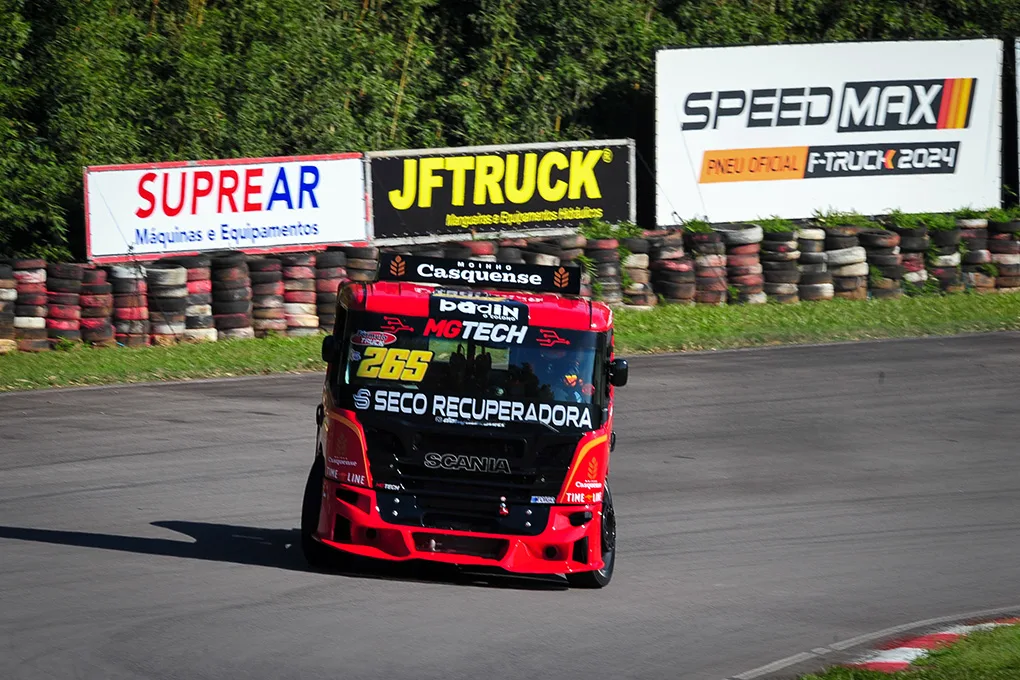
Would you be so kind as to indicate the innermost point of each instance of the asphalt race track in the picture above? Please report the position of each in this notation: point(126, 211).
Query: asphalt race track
point(769, 502)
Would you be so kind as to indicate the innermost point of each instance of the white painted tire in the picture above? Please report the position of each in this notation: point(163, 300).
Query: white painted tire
point(8, 294)
point(302, 332)
point(947, 260)
point(167, 275)
point(916, 277)
point(855, 269)
point(541, 259)
point(751, 269)
point(670, 253)
point(7, 346)
point(236, 334)
point(299, 308)
point(168, 329)
point(972, 223)
point(29, 322)
point(741, 236)
point(810, 234)
point(781, 288)
point(780, 257)
point(198, 310)
point(756, 299)
point(820, 291)
point(302, 320)
point(710, 261)
point(845, 256)
point(30, 276)
point(118, 271)
point(813, 268)
point(636, 260)
point(1005, 258)
point(200, 334)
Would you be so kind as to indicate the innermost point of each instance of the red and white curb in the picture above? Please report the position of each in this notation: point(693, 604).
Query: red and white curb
point(897, 655)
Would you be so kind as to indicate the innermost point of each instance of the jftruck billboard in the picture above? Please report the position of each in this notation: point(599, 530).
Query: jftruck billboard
point(271, 204)
point(788, 130)
point(437, 194)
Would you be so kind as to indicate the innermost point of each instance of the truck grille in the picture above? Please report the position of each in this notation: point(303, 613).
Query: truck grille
point(468, 500)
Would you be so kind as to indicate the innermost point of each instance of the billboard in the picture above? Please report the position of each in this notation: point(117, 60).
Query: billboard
point(251, 204)
point(788, 130)
point(518, 188)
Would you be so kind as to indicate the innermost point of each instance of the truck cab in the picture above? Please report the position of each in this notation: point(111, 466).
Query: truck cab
point(467, 418)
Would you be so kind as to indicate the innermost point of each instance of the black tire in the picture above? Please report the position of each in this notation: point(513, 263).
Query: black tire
point(364, 252)
point(840, 242)
point(264, 264)
point(330, 258)
point(316, 554)
point(598, 578)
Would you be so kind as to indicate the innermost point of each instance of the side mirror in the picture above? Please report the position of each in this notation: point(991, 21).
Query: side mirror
point(330, 349)
point(618, 370)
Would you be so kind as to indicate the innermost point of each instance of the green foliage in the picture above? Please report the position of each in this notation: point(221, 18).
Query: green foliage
point(969, 213)
point(835, 218)
point(775, 224)
point(989, 269)
point(997, 215)
point(116, 81)
point(697, 226)
point(904, 220)
point(938, 221)
point(596, 228)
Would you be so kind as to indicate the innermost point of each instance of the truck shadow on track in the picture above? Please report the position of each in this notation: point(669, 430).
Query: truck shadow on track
point(274, 548)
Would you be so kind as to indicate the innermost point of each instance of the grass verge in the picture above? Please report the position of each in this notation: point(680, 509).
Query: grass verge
point(667, 328)
point(985, 655)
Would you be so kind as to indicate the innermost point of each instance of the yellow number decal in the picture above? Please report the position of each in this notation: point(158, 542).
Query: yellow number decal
point(384, 363)
point(371, 359)
point(417, 365)
point(394, 364)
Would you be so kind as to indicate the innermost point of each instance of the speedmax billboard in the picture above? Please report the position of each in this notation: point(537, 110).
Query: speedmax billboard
point(507, 188)
point(875, 126)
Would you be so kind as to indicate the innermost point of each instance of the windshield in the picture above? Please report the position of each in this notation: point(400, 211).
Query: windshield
point(473, 370)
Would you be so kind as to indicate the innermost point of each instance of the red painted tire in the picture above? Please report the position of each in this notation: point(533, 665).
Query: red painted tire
point(63, 299)
point(298, 273)
point(331, 273)
point(34, 263)
point(63, 312)
point(97, 312)
point(63, 324)
point(480, 247)
point(230, 274)
point(30, 289)
point(715, 284)
point(94, 276)
point(131, 313)
point(92, 324)
point(130, 301)
point(682, 265)
point(267, 288)
point(602, 244)
point(299, 296)
point(750, 280)
point(298, 259)
point(199, 286)
point(96, 301)
point(746, 249)
point(710, 272)
point(742, 260)
point(199, 274)
point(65, 270)
point(23, 276)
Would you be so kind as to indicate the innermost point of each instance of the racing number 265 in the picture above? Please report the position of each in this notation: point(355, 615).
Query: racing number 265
point(385, 363)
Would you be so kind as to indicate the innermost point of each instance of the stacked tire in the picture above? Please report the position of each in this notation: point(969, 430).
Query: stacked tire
point(480, 251)
point(543, 253)
point(672, 270)
point(8, 301)
point(299, 302)
point(744, 270)
point(511, 251)
point(571, 250)
point(638, 292)
point(780, 258)
point(815, 280)
point(605, 254)
point(362, 263)
point(914, 244)
point(130, 305)
point(1005, 254)
point(330, 274)
point(168, 300)
point(977, 269)
point(231, 297)
point(885, 264)
point(709, 267)
point(268, 314)
point(97, 309)
point(944, 258)
point(63, 293)
point(30, 310)
point(198, 316)
point(847, 262)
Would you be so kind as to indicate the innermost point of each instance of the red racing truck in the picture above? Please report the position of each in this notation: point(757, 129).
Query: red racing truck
point(467, 418)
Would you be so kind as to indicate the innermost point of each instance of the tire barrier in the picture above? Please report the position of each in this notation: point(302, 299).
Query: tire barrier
point(637, 277)
point(885, 262)
point(198, 316)
point(300, 305)
point(1004, 251)
point(330, 274)
point(168, 299)
point(231, 296)
point(847, 262)
point(710, 285)
point(815, 280)
point(267, 288)
point(743, 263)
point(363, 263)
point(130, 305)
point(97, 309)
point(8, 304)
point(943, 258)
point(63, 300)
point(780, 261)
point(672, 270)
point(604, 254)
point(978, 272)
point(913, 246)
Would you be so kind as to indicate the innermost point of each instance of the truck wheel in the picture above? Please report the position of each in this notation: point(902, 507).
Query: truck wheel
point(600, 578)
point(316, 554)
